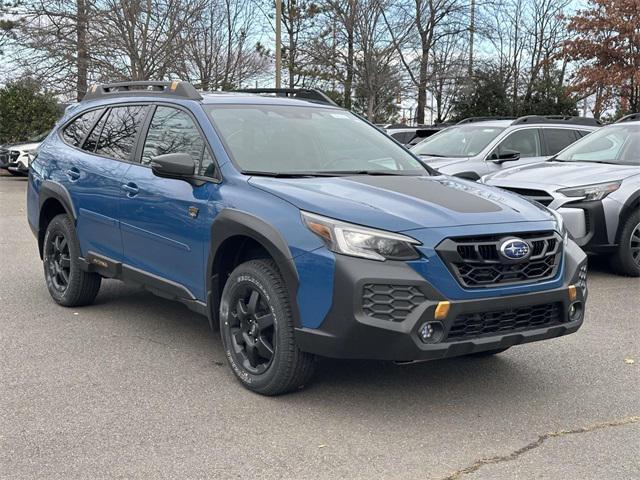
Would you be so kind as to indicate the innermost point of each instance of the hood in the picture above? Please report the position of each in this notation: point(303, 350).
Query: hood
point(562, 174)
point(440, 162)
point(401, 203)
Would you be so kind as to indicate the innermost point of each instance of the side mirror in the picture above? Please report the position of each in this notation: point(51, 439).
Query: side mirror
point(502, 156)
point(173, 165)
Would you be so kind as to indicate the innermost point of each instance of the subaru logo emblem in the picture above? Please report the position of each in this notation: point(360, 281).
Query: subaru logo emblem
point(515, 249)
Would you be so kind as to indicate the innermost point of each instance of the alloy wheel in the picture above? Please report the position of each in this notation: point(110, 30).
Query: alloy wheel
point(634, 244)
point(252, 329)
point(58, 261)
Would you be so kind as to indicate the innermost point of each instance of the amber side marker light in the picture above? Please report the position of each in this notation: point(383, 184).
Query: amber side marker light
point(573, 294)
point(442, 310)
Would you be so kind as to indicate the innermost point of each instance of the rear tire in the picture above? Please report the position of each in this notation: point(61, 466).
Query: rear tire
point(68, 284)
point(626, 260)
point(257, 331)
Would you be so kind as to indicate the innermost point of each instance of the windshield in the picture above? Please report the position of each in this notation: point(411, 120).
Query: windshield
point(459, 141)
point(278, 139)
point(618, 144)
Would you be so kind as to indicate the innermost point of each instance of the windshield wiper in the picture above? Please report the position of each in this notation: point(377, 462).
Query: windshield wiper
point(431, 155)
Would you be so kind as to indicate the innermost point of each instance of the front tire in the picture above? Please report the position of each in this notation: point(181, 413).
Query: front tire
point(257, 331)
point(626, 260)
point(68, 284)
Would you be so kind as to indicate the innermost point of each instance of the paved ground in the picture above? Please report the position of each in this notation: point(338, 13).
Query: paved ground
point(136, 387)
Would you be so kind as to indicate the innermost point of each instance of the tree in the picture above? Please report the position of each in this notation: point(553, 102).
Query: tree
point(297, 21)
point(218, 53)
point(25, 111)
point(607, 44)
point(143, 40)
point(488, 96)
point(422, 23)
point(54, 44)
point(8, 24)
point(377, 74)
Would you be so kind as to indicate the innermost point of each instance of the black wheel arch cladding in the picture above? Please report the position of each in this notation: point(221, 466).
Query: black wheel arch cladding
point(50, 190)
point(230, 223)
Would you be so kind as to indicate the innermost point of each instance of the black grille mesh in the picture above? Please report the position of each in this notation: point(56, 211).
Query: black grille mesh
point(390, 302)
point(475, 261)
point(475, 325)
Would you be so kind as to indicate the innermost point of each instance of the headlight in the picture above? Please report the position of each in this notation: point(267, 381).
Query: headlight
point(592, 192)
point(363, 242)
point(560, 226)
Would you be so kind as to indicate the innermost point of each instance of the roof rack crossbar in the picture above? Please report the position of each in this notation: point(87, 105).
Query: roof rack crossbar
point(310, 94)
point(482, 119)
point(571, 120)
point(176, 89)
point(632, 117)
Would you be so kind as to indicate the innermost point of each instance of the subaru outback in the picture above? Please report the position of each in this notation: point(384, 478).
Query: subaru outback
point(297, 228)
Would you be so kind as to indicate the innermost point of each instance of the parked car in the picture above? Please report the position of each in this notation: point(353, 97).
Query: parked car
point(478, 146)
point(595, 185)
point(297, 228)
point(16, 158)
point(410, 136)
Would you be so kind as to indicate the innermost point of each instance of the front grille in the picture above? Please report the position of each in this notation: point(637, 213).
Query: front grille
point(539, 196)
point(390, 302)
point(500, 322)
point(475, 261)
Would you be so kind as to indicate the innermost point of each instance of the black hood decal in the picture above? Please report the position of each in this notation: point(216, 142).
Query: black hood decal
point(455, 195)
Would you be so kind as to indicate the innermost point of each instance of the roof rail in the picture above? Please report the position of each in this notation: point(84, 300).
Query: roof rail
point(541, 119)
point(176, 89)
point(310, 94)
point(482, 119)
point(633, 117)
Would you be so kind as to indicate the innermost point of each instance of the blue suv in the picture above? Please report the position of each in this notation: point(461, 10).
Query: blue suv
point(298, 228)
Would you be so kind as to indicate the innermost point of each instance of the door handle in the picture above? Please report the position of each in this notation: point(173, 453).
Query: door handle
point(131, 189)
point(73, 174)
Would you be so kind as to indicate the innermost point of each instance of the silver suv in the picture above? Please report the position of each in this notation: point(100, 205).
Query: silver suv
point(595, 185)
point(478, 146)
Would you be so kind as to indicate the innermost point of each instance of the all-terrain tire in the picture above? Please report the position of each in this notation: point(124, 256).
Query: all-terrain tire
point(263, 319)
point(68, 284)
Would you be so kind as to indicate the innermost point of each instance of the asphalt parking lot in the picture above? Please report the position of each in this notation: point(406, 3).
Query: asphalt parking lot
point(136, 387)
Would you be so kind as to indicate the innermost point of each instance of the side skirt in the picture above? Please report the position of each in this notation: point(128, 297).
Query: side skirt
point(155, 284)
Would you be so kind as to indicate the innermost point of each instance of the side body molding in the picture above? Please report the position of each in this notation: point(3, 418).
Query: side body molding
point(230, 223)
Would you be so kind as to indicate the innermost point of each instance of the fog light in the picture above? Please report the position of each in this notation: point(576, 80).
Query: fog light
point(431, 332)
point(575, 311)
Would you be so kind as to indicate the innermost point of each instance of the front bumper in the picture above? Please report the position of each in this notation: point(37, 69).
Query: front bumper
point(17, 167)
point(349, 332)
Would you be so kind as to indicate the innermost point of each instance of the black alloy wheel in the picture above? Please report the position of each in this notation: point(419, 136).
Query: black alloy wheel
point(252, 330)
point(57, 261)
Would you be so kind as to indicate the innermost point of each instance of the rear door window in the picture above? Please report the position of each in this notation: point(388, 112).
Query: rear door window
point(76, 131)
point(118, 134)
point(526, 142)
point(557, 139)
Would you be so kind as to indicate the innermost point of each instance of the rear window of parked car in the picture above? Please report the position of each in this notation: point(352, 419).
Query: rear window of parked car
point(75, 132)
